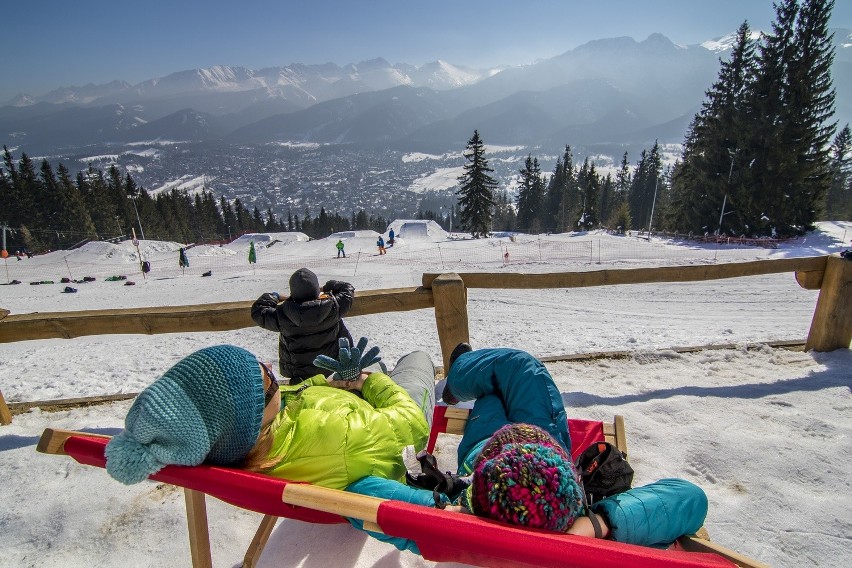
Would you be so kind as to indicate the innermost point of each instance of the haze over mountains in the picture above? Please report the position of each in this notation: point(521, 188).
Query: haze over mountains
point(609, 91)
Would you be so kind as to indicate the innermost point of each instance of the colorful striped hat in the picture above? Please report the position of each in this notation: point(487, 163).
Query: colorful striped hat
point(208, 407)
point(524, 477)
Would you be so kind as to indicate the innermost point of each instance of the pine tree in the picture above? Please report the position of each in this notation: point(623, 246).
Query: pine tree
point(716, 147)
point(839, 198)
point(607, 199)
point(530, 197)
point(792, 103)
point(476, 189)
point(644, 186)
point(75, 212)
point(588, 193)
point(504, 213)
point(810, 128)
point(560, 189)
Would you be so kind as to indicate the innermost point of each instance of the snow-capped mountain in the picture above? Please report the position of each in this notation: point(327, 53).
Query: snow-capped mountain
point(607, 91)
point(726, 43)
point(309, 83)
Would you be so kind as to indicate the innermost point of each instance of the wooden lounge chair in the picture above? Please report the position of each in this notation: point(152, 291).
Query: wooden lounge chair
point(440, 535)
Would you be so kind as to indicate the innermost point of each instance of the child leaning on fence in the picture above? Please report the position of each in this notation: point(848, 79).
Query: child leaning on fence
point(309, 322)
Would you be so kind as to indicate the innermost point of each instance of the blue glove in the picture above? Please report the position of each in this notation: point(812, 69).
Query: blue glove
point(276, 296)
point(349, 363)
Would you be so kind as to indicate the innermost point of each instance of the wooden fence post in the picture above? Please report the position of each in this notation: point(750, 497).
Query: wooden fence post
point(5, 413)
point(450, 313)
point(831, 327)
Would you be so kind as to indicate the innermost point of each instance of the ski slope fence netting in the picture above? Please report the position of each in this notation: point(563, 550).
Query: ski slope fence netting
point(517, 252)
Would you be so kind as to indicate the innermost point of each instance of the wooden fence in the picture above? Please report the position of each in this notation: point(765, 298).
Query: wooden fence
point(831, 327)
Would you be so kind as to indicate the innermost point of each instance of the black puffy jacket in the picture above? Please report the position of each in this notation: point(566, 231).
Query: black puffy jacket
point(306, 329)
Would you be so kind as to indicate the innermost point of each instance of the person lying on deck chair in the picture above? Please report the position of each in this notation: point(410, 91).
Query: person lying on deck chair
point(221, 406)
point(516, 449)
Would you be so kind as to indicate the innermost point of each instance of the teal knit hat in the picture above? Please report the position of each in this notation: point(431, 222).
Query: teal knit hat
point(208, 407)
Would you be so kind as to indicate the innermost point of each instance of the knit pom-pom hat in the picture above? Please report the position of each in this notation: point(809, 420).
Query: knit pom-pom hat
point(518, 433)
point(524, 477)
point(208, 407)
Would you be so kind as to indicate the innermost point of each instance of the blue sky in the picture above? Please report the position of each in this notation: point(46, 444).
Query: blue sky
point(51, 43)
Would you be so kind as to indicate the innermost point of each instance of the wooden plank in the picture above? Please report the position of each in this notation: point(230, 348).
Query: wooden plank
point(450, 298)
point(810, 279)
point(5, 413)
point(52, 440)
point(831, 327)
point(342, 503)
point(456, 426)
point(65, 403)
point(695, 543)
point(224, 316)
point(255, 549)
point(620, 435)
point(199, 533)
point(608, 277)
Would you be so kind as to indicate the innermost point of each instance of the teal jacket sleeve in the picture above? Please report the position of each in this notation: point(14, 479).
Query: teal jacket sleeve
point(656, 514)
point(390, 489)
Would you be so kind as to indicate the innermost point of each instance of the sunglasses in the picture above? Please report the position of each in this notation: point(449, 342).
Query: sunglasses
point(273, 384)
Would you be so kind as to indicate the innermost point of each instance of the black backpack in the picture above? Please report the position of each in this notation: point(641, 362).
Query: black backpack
point(604, 471)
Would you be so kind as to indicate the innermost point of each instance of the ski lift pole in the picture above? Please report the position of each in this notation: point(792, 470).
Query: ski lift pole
point(653, 203)
point(138, 252)
point(722, 214)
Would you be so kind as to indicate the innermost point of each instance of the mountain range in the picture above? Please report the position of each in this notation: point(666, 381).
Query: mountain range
point(608, 91)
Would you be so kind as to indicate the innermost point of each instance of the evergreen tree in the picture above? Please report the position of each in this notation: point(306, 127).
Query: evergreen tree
point(271, 225)
point(621, 220)
point(607, 199)
point(530, 197)
point(839, 198)
point(560, 195)
point(101, 207)
point(716, 147)
point(504, 212)
point(362, 222)
point(810, 127)
point(48, 208)
point(77, 218)
point(792, 104)
point(257, 220)
point(476, 189)
point(229, 219)
point(644, 186)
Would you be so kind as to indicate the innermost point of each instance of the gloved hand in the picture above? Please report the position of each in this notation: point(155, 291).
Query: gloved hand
point(276, 296)
point(349, 363)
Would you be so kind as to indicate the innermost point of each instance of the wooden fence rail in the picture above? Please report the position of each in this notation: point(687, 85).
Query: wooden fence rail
point(831, 327)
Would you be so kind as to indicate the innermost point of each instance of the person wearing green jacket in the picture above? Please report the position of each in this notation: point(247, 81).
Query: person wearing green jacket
point(220, 405)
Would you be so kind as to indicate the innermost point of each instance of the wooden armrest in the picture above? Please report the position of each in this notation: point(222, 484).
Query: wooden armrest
point(700, 542)
point(52, 440)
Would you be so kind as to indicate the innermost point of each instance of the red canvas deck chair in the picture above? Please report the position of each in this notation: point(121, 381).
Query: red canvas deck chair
point(440, 535)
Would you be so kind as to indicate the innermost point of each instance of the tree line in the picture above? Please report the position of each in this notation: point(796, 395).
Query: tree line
point(758, 158)
point(47, 210)
point(572, 198)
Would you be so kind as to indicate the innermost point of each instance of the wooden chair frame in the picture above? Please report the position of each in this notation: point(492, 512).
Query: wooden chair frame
point(350, 505)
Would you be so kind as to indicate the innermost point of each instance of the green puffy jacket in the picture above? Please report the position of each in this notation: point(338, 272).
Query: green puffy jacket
point(331, 437)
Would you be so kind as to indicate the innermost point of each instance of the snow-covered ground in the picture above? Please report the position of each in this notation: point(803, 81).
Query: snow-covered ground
point(765, 432)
